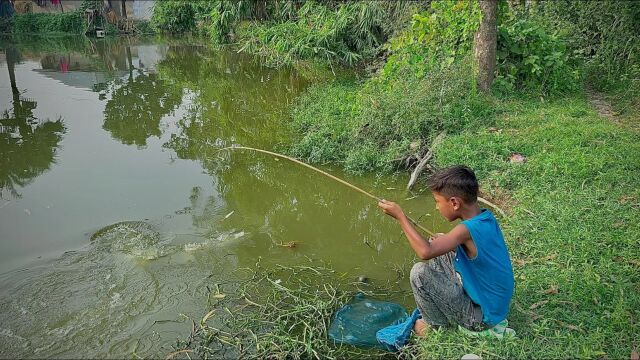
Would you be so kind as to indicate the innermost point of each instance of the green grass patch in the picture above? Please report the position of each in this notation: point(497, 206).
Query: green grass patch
point(43, 23)
point(572, 226)
point(380, 124)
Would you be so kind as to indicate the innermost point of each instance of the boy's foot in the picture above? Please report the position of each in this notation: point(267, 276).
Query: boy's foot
point(499, 331)
point(420, 327)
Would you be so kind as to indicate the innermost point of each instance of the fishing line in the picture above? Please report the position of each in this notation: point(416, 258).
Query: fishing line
point(325, 174)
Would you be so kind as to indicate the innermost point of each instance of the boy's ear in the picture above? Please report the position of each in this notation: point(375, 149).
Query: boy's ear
point(455, 202)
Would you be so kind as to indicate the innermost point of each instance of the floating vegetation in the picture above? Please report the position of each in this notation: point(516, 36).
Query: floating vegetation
point(275, 314)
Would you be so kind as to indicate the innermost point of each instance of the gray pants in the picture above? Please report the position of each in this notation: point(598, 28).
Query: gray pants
point(440, 297)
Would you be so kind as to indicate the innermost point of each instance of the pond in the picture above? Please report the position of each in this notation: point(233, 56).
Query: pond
point(118, 208)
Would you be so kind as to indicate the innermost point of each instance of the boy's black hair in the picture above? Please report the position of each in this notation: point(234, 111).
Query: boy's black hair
point(458, 180)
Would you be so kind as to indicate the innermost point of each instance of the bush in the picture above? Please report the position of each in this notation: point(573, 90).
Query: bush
point(531, 59)
point(70, 22)
point(605, 34)
point(144, 27)
point(346, 33)
point(175, 16)
point(383, 123)
point(441, 36)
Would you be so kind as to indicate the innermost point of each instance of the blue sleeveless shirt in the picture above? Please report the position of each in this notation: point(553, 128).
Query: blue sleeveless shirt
point(487, 278)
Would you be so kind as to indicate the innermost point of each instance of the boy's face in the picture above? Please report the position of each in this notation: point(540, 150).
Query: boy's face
point(447, 206)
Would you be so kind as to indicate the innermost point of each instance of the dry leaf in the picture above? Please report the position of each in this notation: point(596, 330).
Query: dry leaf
point(517, 158)
point(519, 262)
point(538, 304)
point(569, 326)
point(552, 290)
point(549, 257)
point(634, 355)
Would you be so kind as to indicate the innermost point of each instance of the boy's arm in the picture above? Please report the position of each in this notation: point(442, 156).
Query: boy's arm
point(426, 250)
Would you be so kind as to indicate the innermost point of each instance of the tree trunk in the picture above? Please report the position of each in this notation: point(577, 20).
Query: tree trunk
point(485, 45)
point(124, 9)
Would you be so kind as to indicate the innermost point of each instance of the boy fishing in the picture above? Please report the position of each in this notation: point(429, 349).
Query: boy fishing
point(468, 278)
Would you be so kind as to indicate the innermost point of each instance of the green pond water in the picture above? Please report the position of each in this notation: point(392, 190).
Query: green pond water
point(118, 211)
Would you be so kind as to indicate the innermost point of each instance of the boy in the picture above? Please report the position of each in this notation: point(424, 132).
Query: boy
point(469, 279)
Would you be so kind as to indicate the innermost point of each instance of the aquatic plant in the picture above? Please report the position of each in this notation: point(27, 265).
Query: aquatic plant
point(279, 313)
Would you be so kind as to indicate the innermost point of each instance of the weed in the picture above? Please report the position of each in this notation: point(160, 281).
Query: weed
point(43, 23)
point(282, 313)
point(383, 123)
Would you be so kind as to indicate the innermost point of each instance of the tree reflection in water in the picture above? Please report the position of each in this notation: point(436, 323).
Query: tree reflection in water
point(137, 105)
point(28, 145)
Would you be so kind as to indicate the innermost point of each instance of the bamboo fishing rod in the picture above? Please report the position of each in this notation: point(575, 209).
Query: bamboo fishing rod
point(325, 174)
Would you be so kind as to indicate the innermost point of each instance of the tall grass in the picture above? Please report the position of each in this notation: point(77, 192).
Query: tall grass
point(342, 32)
point(383, 124)
point(42, 23)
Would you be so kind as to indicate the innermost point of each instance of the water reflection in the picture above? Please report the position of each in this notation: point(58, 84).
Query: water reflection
point(215, 211)
point(232, 100)
point(136, 105)
point(27, 144)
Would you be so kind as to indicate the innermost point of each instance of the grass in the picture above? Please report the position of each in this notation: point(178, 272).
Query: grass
point(281, 313)
point(382, 123)
point(43, 23)
point(572, 229)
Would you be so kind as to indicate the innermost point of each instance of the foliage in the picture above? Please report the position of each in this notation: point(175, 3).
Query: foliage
point(604, 36)
point(530, 59)
point(6, 24)
point(144, 27)
point(175, 16)
point(347, 33)
point(572, 227)
point(44, 23)
point(442, 35)
point(381, 124)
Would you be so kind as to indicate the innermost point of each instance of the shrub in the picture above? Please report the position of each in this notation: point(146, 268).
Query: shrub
point(346, 33)
point(69, 22)
point(604, 33)
point(440, 36)
point(379, 125)
point(531, 59)
point(175, 16)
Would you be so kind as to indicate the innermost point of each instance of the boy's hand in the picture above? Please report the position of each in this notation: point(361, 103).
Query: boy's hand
point(392, 209)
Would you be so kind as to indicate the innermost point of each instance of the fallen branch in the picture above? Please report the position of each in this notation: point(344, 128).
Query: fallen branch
point(423, 162)
point(170, 356)
point(492, 205)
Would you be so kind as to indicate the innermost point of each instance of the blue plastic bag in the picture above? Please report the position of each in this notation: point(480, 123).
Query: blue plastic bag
point(358, 322)
point(397, 335)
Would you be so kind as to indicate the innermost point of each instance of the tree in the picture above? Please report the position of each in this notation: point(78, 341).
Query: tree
point(485, 45)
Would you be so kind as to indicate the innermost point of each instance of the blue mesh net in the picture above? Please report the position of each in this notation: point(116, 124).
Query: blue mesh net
point(357, 322)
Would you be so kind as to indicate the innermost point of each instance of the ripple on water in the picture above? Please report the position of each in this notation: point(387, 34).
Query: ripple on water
point(136, 238)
